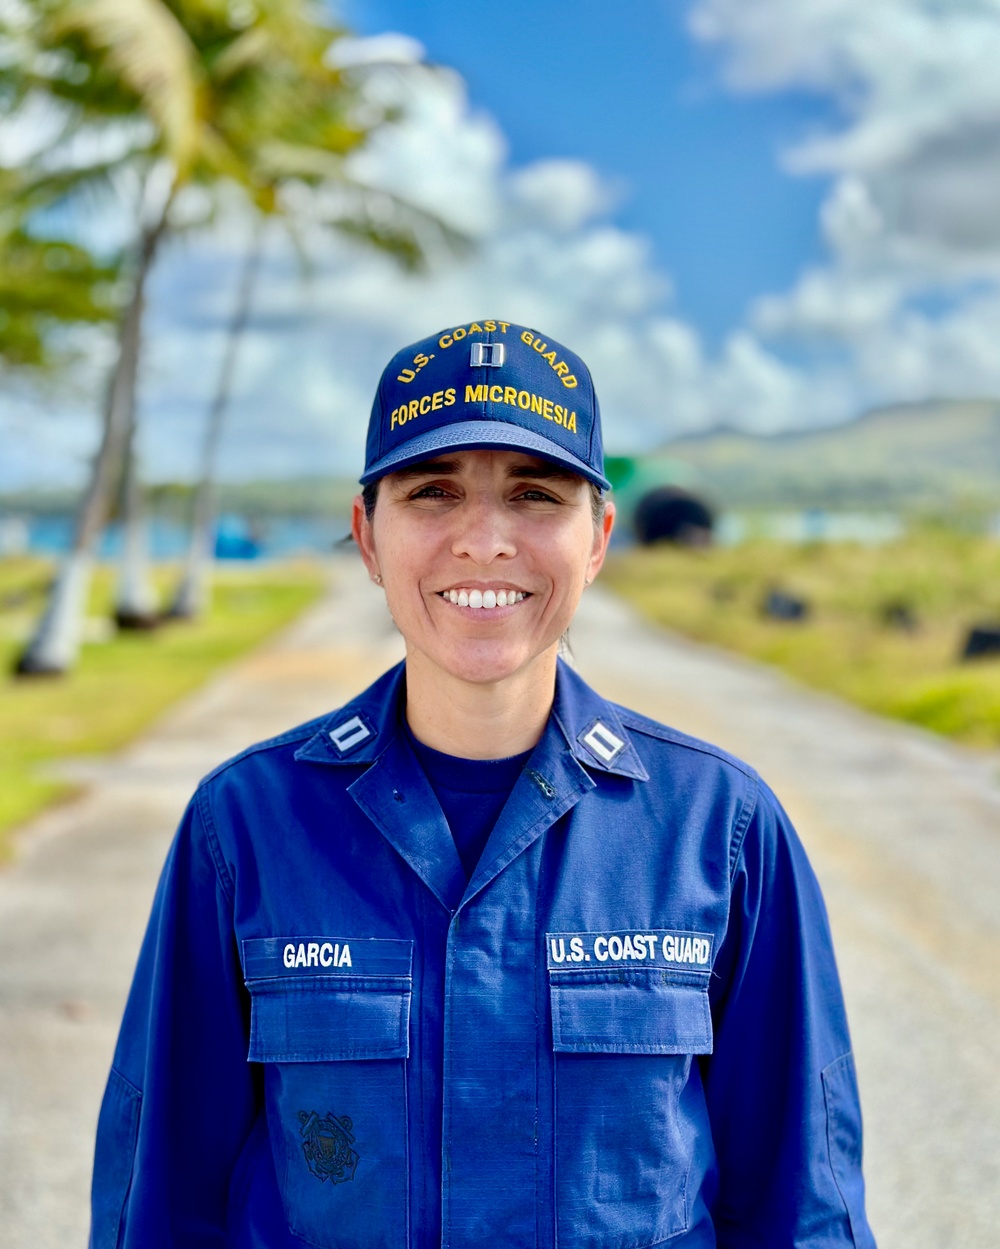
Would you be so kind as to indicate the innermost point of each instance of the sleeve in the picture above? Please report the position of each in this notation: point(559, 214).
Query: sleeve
point(180, 1100)
point(780, 1085)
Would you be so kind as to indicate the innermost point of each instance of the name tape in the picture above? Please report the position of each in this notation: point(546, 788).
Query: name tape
point(264, 957)
point(650, 947)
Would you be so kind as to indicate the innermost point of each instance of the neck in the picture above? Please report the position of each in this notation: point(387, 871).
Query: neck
point(479, 721)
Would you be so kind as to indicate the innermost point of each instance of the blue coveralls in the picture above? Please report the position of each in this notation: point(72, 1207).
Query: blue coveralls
point(625, 1029)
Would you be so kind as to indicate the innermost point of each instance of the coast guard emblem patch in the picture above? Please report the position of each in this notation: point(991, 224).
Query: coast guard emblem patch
point(327, 1146)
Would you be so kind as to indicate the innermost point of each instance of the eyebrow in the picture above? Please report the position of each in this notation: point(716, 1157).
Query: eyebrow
point(546, 472)
point(426, 467)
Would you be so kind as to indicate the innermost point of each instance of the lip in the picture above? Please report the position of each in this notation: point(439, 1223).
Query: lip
point(495, 586)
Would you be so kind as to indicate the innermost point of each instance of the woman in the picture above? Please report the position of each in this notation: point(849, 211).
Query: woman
point(482, 959)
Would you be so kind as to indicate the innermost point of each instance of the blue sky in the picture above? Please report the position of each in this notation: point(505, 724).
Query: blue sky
point(762, 214)
point(626, 88)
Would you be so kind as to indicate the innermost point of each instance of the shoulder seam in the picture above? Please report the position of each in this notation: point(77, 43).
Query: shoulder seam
point(300, 734)
point(751, 781)
point(214, 846)
point(748, 804)
point(675, 737)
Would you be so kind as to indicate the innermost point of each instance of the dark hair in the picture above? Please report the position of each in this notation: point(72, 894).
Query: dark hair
point(369, 497)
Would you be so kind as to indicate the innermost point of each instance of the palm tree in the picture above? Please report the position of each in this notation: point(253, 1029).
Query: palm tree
point(191, 596)
point(46, 287)
point(54, 646)
point(384, 222)
point(193, 93)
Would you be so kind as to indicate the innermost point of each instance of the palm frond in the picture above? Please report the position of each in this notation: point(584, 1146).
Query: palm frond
point(45, 284)
point(146, 46)
point(25, 194)
point(388, 221)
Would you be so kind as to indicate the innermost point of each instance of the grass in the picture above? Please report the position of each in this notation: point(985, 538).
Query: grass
point(856, 641)
point(122, 683)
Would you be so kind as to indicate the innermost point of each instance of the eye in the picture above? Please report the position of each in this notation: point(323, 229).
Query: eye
point(430, 491)
point(534, 494)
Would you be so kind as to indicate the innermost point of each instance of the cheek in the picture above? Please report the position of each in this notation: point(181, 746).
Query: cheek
point(403, 584)
point(577, 555)
point(392, 551)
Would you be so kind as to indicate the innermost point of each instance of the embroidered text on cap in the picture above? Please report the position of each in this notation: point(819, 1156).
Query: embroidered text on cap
point(602, 743)
point(489, 355)
point(350, 734)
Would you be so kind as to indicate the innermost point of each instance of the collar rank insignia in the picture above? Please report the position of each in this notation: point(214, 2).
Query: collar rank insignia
point(350, 734)
point(327, 1146)
point(601, 742)
point(486, 355)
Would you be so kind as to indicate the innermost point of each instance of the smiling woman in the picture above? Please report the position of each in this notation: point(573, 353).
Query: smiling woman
point(483, 557)
point(482, 958)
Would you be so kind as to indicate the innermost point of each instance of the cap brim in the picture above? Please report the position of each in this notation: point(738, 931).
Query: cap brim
point(480, 436)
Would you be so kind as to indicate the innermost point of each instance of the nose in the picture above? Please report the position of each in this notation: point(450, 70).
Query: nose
point(484, 531)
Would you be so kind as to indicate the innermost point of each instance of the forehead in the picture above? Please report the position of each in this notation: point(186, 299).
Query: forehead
point(503, 463)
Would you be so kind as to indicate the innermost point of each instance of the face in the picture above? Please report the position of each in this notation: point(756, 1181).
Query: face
point(483, 556)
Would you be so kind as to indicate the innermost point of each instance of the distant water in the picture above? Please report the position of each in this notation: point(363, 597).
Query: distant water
point(236, 537)
point(811, 525)
point(239, 537)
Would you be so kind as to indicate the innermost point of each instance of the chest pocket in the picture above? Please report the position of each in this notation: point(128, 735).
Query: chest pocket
point(334, 1048)
point(628, 1108)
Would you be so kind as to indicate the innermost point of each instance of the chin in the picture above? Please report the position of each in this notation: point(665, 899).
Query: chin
point(487, 666)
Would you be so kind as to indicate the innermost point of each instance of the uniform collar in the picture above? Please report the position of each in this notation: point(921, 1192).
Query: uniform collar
point(360, 731)
point(591, 727)
point(584, 734)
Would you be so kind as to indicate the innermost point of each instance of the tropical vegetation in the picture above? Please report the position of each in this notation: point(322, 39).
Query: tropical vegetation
point(884, 626)
point(123, 680)
point(158, 110)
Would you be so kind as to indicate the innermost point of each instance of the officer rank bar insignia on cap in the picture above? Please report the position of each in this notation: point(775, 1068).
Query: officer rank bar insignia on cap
point(487, 355)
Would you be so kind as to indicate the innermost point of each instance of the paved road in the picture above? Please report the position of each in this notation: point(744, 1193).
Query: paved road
point(904, 832)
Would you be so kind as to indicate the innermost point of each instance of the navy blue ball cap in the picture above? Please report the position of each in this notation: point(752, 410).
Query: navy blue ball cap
point(487, 385)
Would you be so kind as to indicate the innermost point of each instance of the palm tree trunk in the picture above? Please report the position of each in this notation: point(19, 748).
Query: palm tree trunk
point(54, 647)
point(135, 602)
point(192, 594)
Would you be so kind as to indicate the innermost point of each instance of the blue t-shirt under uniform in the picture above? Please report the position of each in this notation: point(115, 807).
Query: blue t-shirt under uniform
point(472, 793)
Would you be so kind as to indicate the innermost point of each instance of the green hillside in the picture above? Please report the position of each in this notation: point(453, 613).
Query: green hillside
point(921, 456)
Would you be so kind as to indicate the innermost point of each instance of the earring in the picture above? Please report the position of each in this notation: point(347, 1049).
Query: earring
point(586, 581)
point(378, 578)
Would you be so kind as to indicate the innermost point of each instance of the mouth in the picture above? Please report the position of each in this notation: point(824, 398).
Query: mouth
point(480, 600)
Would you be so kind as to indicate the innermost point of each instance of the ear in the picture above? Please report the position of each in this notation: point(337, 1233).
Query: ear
point(602, 536)
point(361, 531)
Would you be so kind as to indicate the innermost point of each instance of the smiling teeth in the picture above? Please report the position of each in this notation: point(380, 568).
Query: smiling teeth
point(484, 598)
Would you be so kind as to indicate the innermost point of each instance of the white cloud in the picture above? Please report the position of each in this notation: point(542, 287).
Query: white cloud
point(828, 304)
point(547, 254)
point(442, 155)
point(912, 289)
point(907, 307)
point(919, 91)
point(386, 49)
point(562, 194)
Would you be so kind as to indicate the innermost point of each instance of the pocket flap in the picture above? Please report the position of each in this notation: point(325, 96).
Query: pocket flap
point(640, 1016)
point(308, 1020)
